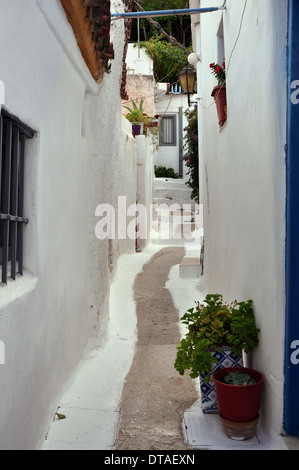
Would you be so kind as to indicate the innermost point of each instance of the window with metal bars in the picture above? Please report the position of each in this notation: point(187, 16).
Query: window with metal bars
point(13, 137)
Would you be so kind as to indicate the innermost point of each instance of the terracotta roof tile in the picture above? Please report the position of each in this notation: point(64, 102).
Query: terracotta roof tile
point(128, 26)
point(90, 20)
point(99, 15)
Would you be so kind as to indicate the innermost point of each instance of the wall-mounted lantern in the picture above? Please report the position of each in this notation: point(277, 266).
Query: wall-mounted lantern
point(187, 78)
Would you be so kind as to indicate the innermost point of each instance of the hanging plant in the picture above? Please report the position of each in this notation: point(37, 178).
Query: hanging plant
point(219, 91)
point(219, 72)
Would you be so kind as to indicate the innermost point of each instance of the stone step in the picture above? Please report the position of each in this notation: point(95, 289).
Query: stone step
point(169, 201)
point(189, 268)
point(175, 193)
point(179, 215)
point(175, 231)
point(169, 183)
point(182, 216)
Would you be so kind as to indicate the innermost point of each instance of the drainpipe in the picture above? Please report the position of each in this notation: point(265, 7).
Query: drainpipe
point(181, 142)
point(291, 388)
point(152, 14)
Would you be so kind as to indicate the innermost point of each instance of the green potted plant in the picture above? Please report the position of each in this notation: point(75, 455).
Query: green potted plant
point(238, 394)
point(142, 123)
point(136, 116)
point(217, 333)
point(219, 91)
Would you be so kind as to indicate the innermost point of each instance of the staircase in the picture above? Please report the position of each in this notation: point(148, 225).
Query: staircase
point(172, 191)
point(176, 221)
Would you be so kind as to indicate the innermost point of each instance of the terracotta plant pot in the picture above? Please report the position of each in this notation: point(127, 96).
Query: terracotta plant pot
point(239, 431)
point(238, 403)
point(219, 95)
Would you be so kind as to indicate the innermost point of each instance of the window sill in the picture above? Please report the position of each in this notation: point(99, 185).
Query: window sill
point(14, 290)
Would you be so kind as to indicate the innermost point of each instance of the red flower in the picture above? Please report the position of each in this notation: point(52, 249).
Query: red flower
point(218, 71)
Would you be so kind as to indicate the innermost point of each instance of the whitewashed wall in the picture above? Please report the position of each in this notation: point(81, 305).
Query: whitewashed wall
point(145, 178)
point(242, 174)
point(80, 157)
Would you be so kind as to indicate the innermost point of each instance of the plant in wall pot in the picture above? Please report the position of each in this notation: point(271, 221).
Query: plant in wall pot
point(219, 91)
point(142, 123)
point(216, 335)
point(238, 394)
point(136, 116)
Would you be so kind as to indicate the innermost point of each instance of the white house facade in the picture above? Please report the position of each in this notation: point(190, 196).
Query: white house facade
point(79, 153)
point(171, 104)
point(243, 172)
point(163, 100)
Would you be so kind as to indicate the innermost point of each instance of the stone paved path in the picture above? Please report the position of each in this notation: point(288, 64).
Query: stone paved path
point(155, 395)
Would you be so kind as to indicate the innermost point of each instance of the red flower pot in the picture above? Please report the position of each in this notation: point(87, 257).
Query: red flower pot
point(238, 403)
point(219, 95)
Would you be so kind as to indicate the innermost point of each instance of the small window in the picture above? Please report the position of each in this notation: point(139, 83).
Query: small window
point(168, 130)
point(13, 136)
point(220, 44)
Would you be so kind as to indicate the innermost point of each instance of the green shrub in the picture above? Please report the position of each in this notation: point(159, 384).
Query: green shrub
point(163, 172)
point(210, 326)
point(168, 60)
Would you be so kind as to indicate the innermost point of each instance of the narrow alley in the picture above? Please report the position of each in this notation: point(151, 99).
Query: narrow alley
point(126, 394)
point(110, 233)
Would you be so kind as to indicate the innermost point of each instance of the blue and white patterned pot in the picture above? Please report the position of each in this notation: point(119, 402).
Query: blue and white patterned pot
point(225, 358)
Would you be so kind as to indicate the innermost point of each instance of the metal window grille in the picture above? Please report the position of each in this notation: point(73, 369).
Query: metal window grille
point(168, 130)
point(13, 136)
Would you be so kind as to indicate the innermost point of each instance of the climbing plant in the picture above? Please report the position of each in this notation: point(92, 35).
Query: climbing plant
point(168, 60)
point(191, 152)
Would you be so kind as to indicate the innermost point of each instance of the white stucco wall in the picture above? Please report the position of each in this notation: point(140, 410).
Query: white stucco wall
point(145, 181)
point(139, 80)
point(80, 157)
point(242, 174)
point(138, 61)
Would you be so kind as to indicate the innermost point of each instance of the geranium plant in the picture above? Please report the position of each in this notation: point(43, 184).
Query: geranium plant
point(211, 325)
point(219, 72)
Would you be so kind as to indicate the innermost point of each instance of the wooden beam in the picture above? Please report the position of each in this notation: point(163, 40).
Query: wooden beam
point(77, 15)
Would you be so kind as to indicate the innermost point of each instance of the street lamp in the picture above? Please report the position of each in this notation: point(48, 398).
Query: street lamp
point(187, 79)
